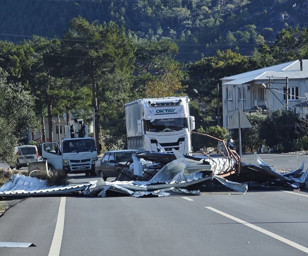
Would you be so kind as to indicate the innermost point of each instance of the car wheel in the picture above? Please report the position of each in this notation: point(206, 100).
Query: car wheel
point(92, 172)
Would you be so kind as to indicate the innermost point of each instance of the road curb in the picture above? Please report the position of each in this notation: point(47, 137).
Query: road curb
point(5, 205)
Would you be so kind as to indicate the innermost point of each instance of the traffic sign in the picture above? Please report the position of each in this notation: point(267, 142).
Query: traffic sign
point(239, 120)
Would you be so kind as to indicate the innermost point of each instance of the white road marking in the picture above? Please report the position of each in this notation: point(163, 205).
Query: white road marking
point(261, 230)
point(299, 194)
point(57, 236)
point(187, 198)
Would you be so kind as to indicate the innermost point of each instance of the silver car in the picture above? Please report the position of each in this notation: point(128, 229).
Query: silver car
point(26, 154)
point(112, 162)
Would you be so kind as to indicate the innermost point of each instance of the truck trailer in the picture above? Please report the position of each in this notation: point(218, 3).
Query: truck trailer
point(159, 124)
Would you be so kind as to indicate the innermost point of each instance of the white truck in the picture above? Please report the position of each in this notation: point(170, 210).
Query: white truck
point(159, 124)
point(76, 154)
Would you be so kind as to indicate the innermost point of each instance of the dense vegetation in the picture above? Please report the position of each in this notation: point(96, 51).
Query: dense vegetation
point(100, 67)
point(199, 27)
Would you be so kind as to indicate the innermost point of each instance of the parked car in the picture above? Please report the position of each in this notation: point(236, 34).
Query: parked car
point(26, 154)
point(112, 162)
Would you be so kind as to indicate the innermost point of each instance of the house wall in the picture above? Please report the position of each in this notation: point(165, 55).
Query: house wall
point(234, 97)
point(58, 134)
point(255, 94)
point(266, 87)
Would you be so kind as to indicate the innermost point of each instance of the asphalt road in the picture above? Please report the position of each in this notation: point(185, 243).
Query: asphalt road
point(257, 223)
point(282, 162)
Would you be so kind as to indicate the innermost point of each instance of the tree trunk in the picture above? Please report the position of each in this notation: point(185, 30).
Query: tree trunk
point(50, 133)
point(95, 105)
point(49, 112)
point(43, 137)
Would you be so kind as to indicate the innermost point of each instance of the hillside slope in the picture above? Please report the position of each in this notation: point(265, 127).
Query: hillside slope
point(200, 27)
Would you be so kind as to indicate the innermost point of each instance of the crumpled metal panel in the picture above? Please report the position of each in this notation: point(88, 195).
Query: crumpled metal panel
point(16, 244)
point(265, 173)
point(23, 186)
point(173, 178)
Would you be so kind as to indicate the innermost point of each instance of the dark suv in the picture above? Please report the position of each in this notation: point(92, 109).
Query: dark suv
point(112, 162)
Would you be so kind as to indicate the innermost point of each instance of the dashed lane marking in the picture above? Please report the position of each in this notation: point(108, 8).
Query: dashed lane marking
point(261, 230)
point(188, 198)
point(57, 236)
point(295, 193)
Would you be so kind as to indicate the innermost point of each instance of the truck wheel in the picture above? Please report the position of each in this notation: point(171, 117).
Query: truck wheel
point(51, 168)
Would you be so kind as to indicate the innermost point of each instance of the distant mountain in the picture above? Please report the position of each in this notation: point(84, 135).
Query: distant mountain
point(200, 27)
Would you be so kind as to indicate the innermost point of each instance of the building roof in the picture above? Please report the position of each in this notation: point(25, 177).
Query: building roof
point(291, 69)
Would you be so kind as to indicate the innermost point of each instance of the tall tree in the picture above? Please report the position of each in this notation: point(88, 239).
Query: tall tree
point(16, 115)
point(204, 83)
point(290, 44)
point(99, 53)
point(157, 72)
point(44, 80)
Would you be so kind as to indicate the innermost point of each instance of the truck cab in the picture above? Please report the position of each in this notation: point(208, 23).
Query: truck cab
point(77, 155)
point(159, 124)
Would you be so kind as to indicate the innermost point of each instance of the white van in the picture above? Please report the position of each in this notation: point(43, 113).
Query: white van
point(26, 154)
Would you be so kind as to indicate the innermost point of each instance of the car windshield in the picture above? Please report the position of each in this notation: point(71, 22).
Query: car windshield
point(78, 145)
point(124, 156)
point(28, 151)
point(166, 125)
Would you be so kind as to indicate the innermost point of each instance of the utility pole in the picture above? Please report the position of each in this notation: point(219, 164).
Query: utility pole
point(287, 93)
point(218, 112)
point(239, 133)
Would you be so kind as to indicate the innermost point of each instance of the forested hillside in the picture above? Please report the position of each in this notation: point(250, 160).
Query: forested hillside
point(199, 27)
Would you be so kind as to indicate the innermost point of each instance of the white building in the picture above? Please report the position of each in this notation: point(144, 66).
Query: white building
point(60, 129)
point(283, 86)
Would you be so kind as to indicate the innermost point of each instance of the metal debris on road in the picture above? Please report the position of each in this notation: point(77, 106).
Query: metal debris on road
point(163, 174)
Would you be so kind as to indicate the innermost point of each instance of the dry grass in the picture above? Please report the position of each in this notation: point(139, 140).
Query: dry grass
point(57, 178)
point(5, 175)
point(53, 178)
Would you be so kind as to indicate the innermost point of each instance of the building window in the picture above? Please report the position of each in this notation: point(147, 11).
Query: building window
point(57, 129)
point(241, 93)
point(293, 93)
point(230, 94)
point(261, 93)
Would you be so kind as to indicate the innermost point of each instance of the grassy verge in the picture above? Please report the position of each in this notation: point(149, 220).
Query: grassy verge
point(5, 174)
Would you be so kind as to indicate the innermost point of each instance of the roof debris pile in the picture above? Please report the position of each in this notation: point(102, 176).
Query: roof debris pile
point(164, 174)
point(268, 175)
point(143, 178)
